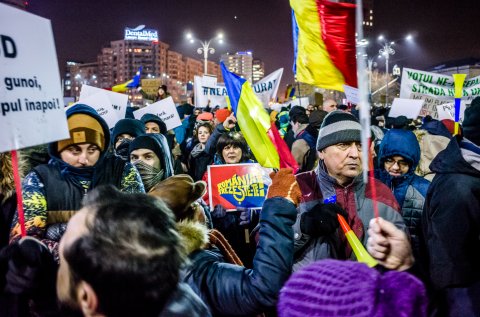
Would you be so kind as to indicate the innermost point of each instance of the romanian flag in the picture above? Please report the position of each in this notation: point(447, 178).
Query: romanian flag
point(324, 43)
point(132, 83)
point(263, 139)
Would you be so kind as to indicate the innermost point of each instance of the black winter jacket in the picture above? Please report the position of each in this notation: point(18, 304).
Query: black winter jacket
point(233, 290)
point(451, 226)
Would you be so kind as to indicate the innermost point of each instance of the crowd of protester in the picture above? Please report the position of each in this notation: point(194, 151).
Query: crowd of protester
point(118, 222)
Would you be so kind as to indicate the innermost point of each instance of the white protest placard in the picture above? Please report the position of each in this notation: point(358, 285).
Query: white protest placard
point(165, 109)
point(209, 81)
point(409, 108)
point(435, 85)
point(103, 107)
point(302, 102)
point(266, 89)
point(217, 95)
point(352, 94)
point(447, 111)
point(31, 102)
point(118, 101)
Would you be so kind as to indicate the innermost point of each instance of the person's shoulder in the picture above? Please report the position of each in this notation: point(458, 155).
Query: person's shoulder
point(383, 193)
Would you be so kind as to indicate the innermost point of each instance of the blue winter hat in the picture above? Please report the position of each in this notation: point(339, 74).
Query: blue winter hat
point(400, 142)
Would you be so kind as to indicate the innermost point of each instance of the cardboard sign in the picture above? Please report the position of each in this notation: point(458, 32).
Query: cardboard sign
point(237, 185)
point(118, 101)
point(103, 107)
point(31, 102)
point(352, 94)
point(447, 111)
point(150, 85)
point(165, 109)
point(409, 108)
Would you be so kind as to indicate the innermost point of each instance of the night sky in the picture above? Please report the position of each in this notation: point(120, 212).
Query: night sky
point(444, 30)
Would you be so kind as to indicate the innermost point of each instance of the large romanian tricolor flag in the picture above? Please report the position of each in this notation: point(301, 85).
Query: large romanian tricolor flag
point(261, 135)
point(324, 43)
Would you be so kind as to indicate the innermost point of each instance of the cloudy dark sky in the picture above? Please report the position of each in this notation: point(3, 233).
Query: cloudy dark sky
point(445, 30)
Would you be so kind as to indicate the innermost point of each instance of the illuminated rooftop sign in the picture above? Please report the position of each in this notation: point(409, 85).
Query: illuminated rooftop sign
point(141, 34)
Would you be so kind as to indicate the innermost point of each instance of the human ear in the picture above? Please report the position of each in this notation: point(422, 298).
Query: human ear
point(87, 299)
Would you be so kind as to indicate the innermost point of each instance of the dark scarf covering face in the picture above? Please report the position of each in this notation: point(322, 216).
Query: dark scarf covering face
point(149, 174)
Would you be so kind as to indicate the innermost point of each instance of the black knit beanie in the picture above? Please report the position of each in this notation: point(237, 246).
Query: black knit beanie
point(471, 122)
point(146, 142)
point(337, 127)
point(133, 127)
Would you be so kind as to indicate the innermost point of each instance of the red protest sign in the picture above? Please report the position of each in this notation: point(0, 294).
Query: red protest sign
point(237, 185)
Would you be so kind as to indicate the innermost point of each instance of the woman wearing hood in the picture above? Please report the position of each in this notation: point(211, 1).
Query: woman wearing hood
point(53, 192)
point(398, 157)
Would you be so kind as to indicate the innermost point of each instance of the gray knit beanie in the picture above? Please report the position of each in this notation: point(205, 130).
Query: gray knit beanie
point(337, 127)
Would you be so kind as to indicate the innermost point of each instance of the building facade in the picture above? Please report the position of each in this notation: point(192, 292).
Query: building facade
point(258, 70)
point(240, 63)
point(119, 61)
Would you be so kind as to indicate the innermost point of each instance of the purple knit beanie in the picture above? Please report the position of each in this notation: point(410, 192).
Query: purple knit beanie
point(347, 288)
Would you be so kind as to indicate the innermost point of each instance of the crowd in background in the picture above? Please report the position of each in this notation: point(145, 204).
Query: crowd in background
point(118, 222)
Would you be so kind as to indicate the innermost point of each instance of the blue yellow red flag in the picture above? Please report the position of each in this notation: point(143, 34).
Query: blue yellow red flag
point(324, 43)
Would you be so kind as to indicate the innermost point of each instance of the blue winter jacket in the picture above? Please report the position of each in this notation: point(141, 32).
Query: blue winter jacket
point(409, 189)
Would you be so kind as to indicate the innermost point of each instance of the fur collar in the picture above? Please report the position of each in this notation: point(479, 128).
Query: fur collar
point(194, 235)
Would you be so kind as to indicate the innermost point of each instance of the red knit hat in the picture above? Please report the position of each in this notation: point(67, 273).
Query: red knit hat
point(205, 116)
point(222, 114)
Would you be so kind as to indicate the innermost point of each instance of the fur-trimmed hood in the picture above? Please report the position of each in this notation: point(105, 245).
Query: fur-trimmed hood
point(194, 235)
point(7, 184)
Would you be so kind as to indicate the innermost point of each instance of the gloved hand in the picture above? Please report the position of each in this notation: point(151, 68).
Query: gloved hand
point(31, 268)
point(246, 215)
point(284, 184)
point(218, 212)
point(321, 220)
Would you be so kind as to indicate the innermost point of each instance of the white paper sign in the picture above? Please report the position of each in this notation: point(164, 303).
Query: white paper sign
point(217, 95)
point(447, 111)
point(436, 85)
point(209, 81)
point(103, 107)
point(409, 108)
point(118, 101)
point(31, 102)
point(266, 89)
point(352, 94)
point(165, 109)
point(303, 102)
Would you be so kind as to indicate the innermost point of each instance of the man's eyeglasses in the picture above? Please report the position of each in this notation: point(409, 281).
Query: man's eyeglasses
point(346, 145)
point(389, 162)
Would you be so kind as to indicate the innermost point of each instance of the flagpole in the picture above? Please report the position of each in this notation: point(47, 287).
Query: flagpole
point(364, 104)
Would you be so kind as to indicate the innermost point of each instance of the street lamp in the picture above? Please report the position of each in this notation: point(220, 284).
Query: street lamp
point(386, 51)
point(205, 48)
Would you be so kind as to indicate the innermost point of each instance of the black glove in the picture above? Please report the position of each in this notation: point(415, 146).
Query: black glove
point(247, 215)
point(321, 220)
point(219, 212)
point(31, 268)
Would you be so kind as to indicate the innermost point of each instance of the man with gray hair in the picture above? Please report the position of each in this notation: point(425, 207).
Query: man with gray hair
point(336, 187)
